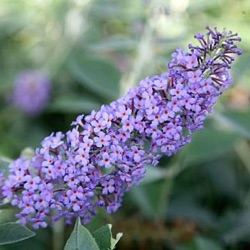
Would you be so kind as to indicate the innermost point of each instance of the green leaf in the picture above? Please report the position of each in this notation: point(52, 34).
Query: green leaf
point(238, 122)
point(153, 174)
point(202, 243)
point(74, 104)
point(188, 208)
point(115, 240)
point(208, 144)
point(104, 238)
point(236, 226)
point(113, 44)
point(5, 205)
point(152, 198)
point(4, 164)
point(98, 76)
point(12, 232)
point(81, 239)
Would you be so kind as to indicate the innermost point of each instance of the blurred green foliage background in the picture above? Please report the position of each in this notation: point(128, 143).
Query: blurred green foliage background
point(95, 50)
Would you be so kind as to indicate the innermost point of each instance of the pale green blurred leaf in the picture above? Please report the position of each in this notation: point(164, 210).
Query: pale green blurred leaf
point(75, 104)
point(238, 122)
point(113, 44)
point(153, 174)
point(97, 75)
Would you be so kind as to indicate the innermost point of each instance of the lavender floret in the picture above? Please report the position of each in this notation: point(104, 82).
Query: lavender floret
point(106, 152)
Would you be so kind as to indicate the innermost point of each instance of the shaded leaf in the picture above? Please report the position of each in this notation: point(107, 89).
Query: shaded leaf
point(12, 232)
point(104, 237)
point(5, 205)
point(115, 240)
point(236, 227)
point(202, 243)
point(152, 198)
point(208, 144)
point(187, 208)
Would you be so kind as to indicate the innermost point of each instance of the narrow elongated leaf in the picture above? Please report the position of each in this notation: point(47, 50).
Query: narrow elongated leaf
point(81, 239)
point(12, 232)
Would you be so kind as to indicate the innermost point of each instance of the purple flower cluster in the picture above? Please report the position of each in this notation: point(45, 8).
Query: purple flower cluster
point(31, 92)
point(105, 153)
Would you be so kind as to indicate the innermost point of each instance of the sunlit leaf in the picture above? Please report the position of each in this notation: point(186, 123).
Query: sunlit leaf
point(81, 239)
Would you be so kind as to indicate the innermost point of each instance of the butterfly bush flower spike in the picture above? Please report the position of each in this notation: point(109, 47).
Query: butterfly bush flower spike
point(105, 153)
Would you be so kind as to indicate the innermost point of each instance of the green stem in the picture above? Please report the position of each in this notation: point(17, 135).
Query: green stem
point(58, 235)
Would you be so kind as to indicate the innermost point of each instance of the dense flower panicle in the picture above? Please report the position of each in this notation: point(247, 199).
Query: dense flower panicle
point(106, 152)
point(31, 92)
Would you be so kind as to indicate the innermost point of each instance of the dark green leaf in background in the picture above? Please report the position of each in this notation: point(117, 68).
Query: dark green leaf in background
point(202, 243)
